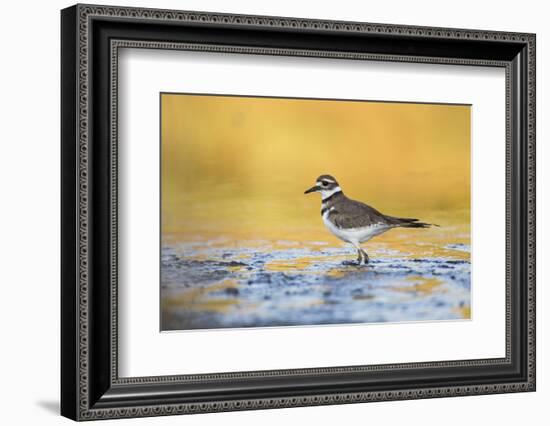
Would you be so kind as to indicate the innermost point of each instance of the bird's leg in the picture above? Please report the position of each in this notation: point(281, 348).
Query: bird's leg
point(365, 256)
point(362, 256)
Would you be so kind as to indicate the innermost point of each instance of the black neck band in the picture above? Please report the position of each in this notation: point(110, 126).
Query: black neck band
point(324, 200)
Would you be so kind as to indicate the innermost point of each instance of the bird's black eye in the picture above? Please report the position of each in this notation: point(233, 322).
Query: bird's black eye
point(324, 183)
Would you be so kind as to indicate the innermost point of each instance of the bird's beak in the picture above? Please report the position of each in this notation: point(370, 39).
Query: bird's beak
point(312, 189)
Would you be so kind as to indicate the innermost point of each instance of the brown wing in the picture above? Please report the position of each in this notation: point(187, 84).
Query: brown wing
point(354, 214)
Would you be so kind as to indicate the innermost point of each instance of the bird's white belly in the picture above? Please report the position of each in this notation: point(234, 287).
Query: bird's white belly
point(355, 235)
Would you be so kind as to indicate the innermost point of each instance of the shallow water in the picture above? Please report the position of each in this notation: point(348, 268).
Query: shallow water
point(218, 284)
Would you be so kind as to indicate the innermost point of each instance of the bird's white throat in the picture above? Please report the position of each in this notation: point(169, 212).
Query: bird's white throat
point(325, 193)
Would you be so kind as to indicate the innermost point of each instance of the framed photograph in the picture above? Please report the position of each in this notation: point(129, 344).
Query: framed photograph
point(263, 212)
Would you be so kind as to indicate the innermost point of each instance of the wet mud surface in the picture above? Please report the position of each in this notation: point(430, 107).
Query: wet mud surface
point(208, 285)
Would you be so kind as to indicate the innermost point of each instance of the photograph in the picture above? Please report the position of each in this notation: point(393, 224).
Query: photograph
point(303, 212)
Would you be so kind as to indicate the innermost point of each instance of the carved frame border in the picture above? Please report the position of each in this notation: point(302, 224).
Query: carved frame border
point(87, 12)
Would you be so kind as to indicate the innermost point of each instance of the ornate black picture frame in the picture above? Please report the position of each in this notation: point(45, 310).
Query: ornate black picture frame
point(91, 37)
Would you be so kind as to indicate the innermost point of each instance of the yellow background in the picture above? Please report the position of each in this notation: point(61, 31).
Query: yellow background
point(238, 166)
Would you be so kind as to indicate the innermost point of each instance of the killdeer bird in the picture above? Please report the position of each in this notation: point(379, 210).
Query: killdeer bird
point(353, 221)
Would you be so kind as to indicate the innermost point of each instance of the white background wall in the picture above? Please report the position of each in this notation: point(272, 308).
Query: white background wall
point(29, 212)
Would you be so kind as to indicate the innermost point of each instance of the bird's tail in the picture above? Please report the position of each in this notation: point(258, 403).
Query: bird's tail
point(407, 222)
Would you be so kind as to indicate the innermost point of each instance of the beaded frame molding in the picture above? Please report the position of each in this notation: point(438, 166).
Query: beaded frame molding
point(91, 39)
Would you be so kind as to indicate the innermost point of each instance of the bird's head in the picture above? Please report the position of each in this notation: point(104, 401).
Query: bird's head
point(326, 185)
